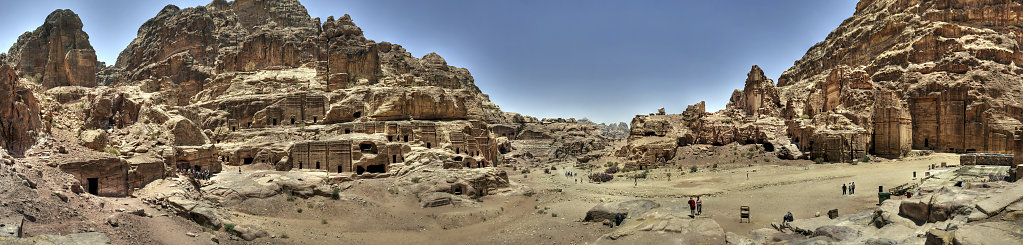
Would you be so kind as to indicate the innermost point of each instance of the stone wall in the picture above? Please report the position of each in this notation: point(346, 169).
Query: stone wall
point(986, 159)
point(101, 175)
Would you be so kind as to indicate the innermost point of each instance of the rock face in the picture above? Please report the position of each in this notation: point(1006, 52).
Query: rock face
point(758, 97)
point(951, 64)
point(19, 113)
point(57, 53)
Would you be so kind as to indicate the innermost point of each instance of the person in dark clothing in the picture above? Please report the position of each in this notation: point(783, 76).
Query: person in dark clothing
point(619, 217)
point(692, 207)
point(787, 218)
point(852, 188)
point(844, 187)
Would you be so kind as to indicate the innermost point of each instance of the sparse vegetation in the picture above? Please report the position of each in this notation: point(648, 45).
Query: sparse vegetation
point(335, 194)
point(291, 197)
point(112, 150)
point(229, 228)
point(819, 160)
point(415, 179)
point(299, 210)
point(323, 221)
point(693, 169)
point(804, 116)
point(865, 159)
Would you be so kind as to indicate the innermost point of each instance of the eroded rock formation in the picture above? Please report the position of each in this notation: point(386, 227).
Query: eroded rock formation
point(57, 53)
point(19, 113)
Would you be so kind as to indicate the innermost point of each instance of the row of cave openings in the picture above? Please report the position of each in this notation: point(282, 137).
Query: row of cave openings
point(274, 122)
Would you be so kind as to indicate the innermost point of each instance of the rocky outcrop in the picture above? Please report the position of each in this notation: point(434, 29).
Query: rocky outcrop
point(57, 53)
point(952, 64)
point(94, 139)
point(758, 97)
point(19, 113)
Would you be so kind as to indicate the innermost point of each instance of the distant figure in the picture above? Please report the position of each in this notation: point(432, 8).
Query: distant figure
point(239, 169)
point(619, 217)
point(788, 218)
point(844, 188)
point(852, 188)
point(692, 207)
point(699, 206)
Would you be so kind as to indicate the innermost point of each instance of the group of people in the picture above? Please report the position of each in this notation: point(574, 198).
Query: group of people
point(195, 174)
point(695, 206)
point(849, 189)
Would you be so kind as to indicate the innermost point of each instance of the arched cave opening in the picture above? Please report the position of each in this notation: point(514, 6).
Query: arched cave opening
point(357, 114)
point(348, 131)
point(768, 146)
point(247, 160)
point(457, 158)
point(359, 170)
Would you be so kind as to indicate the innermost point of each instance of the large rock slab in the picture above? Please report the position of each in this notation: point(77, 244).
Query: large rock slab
point(998, 202)
point(989, 233)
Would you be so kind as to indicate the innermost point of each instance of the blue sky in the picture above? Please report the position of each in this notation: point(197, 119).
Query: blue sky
point(601, 59)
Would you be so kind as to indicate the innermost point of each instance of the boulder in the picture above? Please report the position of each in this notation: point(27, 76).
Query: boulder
point(632, 209)
point(840, 233)
point(186, 133)
point(916, 208)
point(939, 237)
point(436, 199)
point(95, 139)
point(989, 233)
point(250, 233)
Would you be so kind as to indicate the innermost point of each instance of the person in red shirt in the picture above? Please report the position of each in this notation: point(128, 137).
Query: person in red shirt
point(692, 207)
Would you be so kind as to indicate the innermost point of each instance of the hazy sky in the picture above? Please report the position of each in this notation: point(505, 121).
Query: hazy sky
point(605, 60)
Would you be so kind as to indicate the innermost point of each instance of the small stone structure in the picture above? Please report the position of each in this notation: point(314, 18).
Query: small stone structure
point(102, 175)
point(986, 159)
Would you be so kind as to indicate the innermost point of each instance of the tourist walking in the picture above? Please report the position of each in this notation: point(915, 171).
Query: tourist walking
point(844, 189)
point(852, 188)
point(692, 207)
point(699, 206)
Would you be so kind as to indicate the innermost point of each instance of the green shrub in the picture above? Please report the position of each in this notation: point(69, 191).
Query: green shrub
point(819, 160)
point(335, 194)
point(229, 228)
point(284, 235)
point(804, 116)
point(554, 215)
point(299, 210)
point(415, 179)
point(323, 221)
point(693, 169)
point(291, 197)
point(865, 159)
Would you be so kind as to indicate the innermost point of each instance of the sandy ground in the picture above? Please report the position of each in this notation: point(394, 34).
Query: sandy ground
point(369, 213)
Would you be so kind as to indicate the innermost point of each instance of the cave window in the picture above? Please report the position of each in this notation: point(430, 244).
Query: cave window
point(233, 129)
point(299, 165)
point(314, 119)
point(376, 168)
point(427, 145)
point(457, 159)
point(348, 131)
point(339, 169)
point(927, 143)
point(249, 125)
point(457, 190)
point(317, 165)
point(359, 170)
point(458, 150)
point(390, 138)
point(275, 122)
point(357, 114)
point(292, 120)
point(467, 165)
point(367, 148)
point(406, 138)
point(247, 161)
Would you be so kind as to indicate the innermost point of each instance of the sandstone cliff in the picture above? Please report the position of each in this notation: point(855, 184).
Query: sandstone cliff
point(19, 113)
point(954, 63)
point(57, 53)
